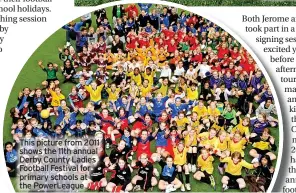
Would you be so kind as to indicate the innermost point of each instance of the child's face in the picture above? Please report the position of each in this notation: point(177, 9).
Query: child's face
point(20, 125)
point(143, 101)
point(147, 119)
point(144, 135)
point(237, 137)
point(165, 82)
point(82, 81)
point(121, 112)
point(180, 147)
point(193, 87)
point(121, 163)
point(215, 75)
point(222, 136)
point(194, 116)
point(8, 148)
point(126, 133)
point(38, 92)
point(34, 124)
point(74, 92)
point(265, 134)
point(50, 67)
point(78, 126)
point(124, 100)
point(245, 122)
point(29, 127)
point(92, 127)
point(58, 130)
point(164, 115)
point(113, 87)
point(104, 105)
point(178, 102)
point(58, 91)
point(159, 96)
point(63, 103)
point(212, 133)
point(105, 113)
point(264, 161)
point(169, 162)
point(144, 159)
point(28, 135)
point(213, 105)
point(260, 118)
point(145, 83)
point(204, 154)
point(235, 160)
point(181, 116)
point(258, 74)
point(148, 71)
point(173, 132)
point(200, 104)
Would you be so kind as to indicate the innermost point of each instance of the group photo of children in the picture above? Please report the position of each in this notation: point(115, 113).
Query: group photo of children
point(180, 103)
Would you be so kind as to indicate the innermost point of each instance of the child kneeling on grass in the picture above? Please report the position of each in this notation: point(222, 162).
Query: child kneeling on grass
point(233, 176)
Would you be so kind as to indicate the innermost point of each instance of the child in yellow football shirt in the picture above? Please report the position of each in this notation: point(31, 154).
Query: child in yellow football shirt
point(233, 176)
point(237, 144)
point(95, 92)
point(207, 139)
point(57, 96)
point(213, 111)
point(194, 122)
point(136, 76)
point(192, 93)
point(222, 147)
point(145, 89)
point(148, 74)
point(181, 121)
point(205, 163)
point(242, 127)
point(262, 145)
point(180, 159)
point(192, 151)
point(201, 110)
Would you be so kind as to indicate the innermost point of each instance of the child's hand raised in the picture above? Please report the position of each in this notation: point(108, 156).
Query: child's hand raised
point(271, 140)
point(32, 93)
point(21, 94)
point(256, 164)
point(40, 62)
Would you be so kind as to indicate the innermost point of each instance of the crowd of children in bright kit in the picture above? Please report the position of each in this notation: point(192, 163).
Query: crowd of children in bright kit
point(176, 82)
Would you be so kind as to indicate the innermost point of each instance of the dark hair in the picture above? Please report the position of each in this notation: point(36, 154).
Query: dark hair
point(67, 61)
point(12, 111)
point(8, 143)
point(173, 128)
point(269, 162)
point(48, 64)
point(56, 126)
point(268, 98)
point(78, 121)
